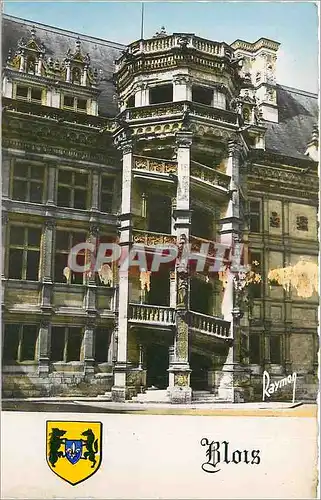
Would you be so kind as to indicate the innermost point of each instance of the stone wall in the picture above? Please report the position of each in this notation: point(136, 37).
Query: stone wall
point(30, 385)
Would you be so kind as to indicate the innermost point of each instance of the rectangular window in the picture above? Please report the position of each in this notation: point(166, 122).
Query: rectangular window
point(161, 93)
point(69, 102)
point(28, 182)
point(81, 104)
point(65, 241)
point(30, 94)
point(202, 95)
point(131, 101)
point(159, 213)
point(107, 192)
point(24, 252)
point(102, 342)
point(202, 223)
point(275, 349)
point(36, 95)
point(255, 216)
point(66, 344)
point(19, 342)
point(255, 349)
point(72, 189)
point(22, 92)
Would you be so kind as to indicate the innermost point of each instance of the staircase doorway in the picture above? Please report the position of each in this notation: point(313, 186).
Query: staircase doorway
point(199, 377)
point(157, 365)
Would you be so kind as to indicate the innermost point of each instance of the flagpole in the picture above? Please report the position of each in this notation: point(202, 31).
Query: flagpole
point(142, 23)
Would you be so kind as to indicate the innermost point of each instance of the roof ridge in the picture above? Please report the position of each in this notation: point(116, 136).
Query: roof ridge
point(298, 91)
point(71, 34)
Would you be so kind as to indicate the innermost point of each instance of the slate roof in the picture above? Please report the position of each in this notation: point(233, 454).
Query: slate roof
point(57, 41)
point(298, 110)
point(298, 113)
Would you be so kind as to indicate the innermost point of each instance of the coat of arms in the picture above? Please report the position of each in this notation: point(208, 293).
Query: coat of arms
point(74, 449)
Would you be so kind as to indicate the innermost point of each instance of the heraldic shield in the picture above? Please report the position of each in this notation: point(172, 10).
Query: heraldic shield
point(74, 449)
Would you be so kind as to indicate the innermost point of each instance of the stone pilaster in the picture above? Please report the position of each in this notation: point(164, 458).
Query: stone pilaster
point(287, 351)
point(4, 234)
point(7, 165)
point(89, 347)
point(182, 88)
point(141, 95)
point(179, 370)
point(47, 264)
point(120, 366)
point(44, 348)
point(52, 184)
point(95, 191)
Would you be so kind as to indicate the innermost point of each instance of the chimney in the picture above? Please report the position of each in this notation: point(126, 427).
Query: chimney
point(313, 145)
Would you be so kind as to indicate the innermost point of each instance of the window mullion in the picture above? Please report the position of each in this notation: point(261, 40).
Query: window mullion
point(20, 343)
point(25, 255)
point(66, 344)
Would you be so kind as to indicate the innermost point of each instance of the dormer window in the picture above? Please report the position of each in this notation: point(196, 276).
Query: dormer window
point(75, 103)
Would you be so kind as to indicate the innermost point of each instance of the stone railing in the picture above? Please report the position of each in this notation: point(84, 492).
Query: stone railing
point(209, 325)
point(151, 239)
point(143, 313)
point(209, 175)
point(154, 165)
point(57, 114)
point(177, 109)
point(217, 114)
point(176, 41)
point(155, 110)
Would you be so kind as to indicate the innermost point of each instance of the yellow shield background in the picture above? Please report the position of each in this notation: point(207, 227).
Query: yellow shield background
point(83, 469)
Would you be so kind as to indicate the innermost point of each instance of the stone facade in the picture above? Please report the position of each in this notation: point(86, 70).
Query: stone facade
point(176, 143)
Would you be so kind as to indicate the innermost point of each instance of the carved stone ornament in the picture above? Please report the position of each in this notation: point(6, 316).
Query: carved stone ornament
point(184, 140)
point(275, 220)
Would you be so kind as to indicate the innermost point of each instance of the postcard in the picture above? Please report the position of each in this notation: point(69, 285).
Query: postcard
point(160, 243)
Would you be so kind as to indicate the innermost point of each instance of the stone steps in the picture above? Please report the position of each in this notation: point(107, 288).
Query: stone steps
point(152, 396)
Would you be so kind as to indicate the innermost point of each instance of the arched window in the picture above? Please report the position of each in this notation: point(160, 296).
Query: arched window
point(76, 76)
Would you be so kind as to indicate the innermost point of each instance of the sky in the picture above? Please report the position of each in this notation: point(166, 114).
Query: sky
point(293, 24)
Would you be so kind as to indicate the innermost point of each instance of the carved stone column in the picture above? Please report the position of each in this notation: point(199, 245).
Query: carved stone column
point(89, 347)
point(47, 256)
point(91, 287)
point(230, 234)
point(120, 367)
point(179, 370)
point(44, 348)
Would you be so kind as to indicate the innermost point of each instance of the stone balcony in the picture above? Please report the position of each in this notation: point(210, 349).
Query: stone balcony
point(161, 169)
point(176, 109)
point(162, 316)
